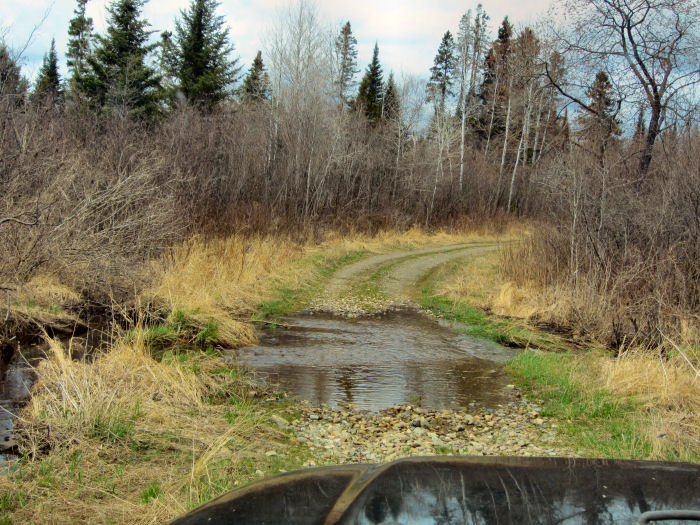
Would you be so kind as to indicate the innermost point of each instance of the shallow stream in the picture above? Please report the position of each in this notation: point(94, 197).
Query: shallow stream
point(374, 362)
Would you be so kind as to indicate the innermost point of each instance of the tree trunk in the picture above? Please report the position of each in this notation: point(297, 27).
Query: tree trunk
point(654, 125)
point(461, 141)
point(493, 111)
point(505, 138)
point(523, 134)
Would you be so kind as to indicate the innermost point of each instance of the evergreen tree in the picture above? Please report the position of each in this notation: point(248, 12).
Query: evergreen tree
point(202, 62)
point(166, 60)
point(391, 109)
point(256, 86)
point(600, 124)
point(79, 48)
point(48, 82)
point(442, 73)
point(496, 76)
point(120, 79)
point(13, 86)
point(370, 95)
point(346, 56)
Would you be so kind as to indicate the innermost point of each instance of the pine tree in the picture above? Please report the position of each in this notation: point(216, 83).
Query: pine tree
point(256, 86)
point(494, 87)
point(600, 123)
point(79, 49)
point(13, 86)
point(370, 95)
point(202, 64)
point(442, 73)
point(120, 79)
point(346, 56)
point(48, 82)
point(391, 109)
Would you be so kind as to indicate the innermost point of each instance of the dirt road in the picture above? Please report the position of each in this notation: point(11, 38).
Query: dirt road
point(388, 280)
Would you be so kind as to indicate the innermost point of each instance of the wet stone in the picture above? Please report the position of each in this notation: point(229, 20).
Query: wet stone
point(389, 434)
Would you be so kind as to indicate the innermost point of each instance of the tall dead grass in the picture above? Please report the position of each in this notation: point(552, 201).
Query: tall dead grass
point(225, 279)
point(668, 390)
point(102, 432)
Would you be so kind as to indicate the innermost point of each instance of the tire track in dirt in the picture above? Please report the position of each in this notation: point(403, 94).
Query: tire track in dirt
point(387, 280)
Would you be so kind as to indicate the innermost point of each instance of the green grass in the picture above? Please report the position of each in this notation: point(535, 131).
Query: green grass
point(595, 422)
point(208, 334)
point(150, 492)
point(117, 427)
point(477, 323)
point(179, 329)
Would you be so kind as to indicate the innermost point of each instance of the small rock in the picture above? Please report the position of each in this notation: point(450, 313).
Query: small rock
point(271, 454)
point(538, 421)
point(279, 421)
point(418, 431)
point(259, 473)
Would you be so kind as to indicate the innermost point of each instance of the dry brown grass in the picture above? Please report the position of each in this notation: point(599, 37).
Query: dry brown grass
point(663, 380)
point(89, 425)
point(667, 388)
point(224, 280)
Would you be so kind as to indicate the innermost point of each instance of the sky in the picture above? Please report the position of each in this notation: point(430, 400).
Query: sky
point(408, 32)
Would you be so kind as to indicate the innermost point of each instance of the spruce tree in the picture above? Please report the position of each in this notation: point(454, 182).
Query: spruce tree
point(346, 56)
point(120, 79)
point(369, 98)
point(48, 82)
point(79, 48)
point(202, 64)
point(442, 73)
point(391, 109)
point(600, 123)
point(13, 86)
point(256, 86)
point(493, 92)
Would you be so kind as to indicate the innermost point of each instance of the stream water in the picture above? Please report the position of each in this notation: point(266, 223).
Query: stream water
point(375, 362)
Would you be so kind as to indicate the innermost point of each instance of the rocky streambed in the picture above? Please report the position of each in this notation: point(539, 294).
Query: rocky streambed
point(351, 435)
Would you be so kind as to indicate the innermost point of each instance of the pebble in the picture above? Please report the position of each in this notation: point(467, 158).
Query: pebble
point(354, 436)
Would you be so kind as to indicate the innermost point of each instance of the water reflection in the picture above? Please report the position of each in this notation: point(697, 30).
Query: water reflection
point(377, 362)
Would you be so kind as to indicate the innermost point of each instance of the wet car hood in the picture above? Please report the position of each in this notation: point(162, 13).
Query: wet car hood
point(478, 490)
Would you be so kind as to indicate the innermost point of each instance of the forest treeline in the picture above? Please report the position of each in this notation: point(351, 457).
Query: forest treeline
point(588, 126)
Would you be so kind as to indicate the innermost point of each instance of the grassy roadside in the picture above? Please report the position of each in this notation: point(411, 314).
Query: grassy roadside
point(467, 307)
point(642, 404)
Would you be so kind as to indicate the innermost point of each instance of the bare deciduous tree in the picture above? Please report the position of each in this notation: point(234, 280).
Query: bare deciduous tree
point(649, 46)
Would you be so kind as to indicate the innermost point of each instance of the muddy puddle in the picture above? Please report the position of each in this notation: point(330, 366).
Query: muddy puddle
point(396, 358)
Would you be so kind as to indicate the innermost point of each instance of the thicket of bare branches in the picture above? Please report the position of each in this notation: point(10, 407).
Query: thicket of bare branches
point(90, 197)
point(87, 204)
point(628, 257)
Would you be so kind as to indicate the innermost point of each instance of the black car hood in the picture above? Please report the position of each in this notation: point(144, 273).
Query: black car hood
point(478, 490)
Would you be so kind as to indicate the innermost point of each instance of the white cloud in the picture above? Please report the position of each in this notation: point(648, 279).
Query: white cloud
point(407, 31)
